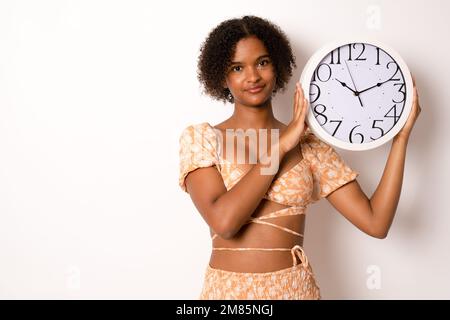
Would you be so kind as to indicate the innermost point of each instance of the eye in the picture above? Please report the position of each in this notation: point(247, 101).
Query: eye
point(265, 62)
point(234, 68)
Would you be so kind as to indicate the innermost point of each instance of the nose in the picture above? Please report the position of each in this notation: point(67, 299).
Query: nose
point(253, 74)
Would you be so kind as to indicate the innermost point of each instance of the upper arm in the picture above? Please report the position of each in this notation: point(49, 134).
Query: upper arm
point(205, 186)
point(354, 205)
point(199, 175)
point(336, 181)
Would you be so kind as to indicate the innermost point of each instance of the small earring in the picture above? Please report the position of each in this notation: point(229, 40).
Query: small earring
point(229, 95)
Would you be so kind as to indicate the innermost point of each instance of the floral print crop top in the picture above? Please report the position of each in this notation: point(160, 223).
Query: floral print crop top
point(319, 173)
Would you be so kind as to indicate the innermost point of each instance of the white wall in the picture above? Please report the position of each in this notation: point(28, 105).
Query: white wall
point(93, 97)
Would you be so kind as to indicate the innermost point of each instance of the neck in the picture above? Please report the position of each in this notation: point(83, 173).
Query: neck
point(259, 117)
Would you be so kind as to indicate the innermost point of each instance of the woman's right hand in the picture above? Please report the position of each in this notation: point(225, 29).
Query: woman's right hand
point(297, 127)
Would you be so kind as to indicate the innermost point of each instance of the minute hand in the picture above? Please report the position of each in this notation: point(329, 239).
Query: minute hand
point(377, 85)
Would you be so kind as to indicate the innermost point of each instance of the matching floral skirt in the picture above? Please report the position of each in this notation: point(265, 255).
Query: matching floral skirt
point(293, 283)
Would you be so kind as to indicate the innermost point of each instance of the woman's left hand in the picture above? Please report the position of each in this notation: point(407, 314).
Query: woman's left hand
point(414, 114)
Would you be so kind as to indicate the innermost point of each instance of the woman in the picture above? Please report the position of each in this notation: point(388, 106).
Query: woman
point(256, 209)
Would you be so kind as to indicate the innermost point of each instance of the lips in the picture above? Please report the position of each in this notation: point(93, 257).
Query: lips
point(255, 89)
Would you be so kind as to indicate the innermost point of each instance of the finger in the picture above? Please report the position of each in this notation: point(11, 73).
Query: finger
point(413, 79)
point(302, 94)
point(305, 127)
point(301, 112)
point(305, 104)
point(416, 106)
point(301, 98)
point(295, 98)
point(295, 111)
point(303, 115)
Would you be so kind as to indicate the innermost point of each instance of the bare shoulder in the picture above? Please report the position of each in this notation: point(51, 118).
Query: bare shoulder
point(221, 126)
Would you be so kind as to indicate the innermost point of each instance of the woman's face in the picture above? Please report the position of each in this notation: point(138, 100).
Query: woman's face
point(251, 75)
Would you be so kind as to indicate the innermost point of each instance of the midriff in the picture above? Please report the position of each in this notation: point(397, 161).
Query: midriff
point(254, 235)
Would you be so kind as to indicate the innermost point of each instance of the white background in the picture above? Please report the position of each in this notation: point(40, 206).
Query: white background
point(93, 98)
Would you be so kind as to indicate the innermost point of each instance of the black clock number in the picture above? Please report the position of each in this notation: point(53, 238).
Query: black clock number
point(378, 57)
point(396, 70)
point(322, 72)
point(320, 114)
point(360, 54)
point(337, 127)
point(338, 56)
point(314, 96)
point(350, 136)
point(402, 87)
point(395, 116)
point(375, 127)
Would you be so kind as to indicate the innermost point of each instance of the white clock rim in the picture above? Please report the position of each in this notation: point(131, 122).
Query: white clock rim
point(308, 71)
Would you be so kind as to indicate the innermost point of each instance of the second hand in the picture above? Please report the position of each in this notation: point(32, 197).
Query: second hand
point(354, 85)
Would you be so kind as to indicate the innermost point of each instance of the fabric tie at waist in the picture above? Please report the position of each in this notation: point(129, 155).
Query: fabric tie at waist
point(297, 251)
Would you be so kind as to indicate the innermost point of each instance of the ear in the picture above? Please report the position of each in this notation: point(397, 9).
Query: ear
point(224, 84)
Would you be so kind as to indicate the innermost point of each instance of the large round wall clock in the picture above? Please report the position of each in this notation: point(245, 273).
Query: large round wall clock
point(360, 94)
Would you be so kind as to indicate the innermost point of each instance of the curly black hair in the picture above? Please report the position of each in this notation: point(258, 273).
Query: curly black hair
point(219, 47)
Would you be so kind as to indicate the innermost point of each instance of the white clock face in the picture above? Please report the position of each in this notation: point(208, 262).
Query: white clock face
point(358, 93)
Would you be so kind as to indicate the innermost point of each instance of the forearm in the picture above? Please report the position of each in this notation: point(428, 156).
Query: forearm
point(385, 199)
point(239, 203)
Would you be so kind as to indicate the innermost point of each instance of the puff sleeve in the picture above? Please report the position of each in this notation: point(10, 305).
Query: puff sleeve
point(197, 149)
point(328, 169)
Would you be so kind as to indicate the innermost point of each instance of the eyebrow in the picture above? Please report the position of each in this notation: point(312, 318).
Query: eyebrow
point(260, 57)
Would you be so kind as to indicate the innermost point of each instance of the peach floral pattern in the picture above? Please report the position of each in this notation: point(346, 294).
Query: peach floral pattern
point(320, 172)
point(293, 283)
point(325, 169)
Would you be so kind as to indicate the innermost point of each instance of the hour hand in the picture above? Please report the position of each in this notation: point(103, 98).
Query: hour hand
point(345, 85)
